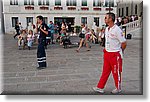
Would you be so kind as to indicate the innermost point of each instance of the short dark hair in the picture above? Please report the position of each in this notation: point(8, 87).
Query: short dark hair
point(112, 15)
point(82, 24)
point(40, 17)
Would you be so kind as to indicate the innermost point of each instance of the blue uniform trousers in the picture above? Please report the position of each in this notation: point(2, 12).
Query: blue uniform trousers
point(41, 55)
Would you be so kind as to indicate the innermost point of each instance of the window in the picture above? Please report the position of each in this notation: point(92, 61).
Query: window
point(122, 12)
point(135, 9)
point(14, 21)
point(29, 20)
point(84, 2)
point(109, 3)
point(13, 2)
point(84, 20)
point(43, 2)
point(126, 11)
point(119, 12)
point(57, 2)
point(97, 3)
point(28, 2)
point(71, 2)
point(96, 20)
point(45, 20)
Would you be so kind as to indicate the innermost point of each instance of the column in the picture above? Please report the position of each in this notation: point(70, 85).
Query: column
point(51, 18)
point(100, 22)
point(90, 20)
point(115, 3)
point(79, 2)
point(77, 20)
point(22, 19)
point(64, 4)
point(36, 2)
point(90, 3)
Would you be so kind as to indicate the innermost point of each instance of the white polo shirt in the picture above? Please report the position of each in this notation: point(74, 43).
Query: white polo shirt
point(114, 37)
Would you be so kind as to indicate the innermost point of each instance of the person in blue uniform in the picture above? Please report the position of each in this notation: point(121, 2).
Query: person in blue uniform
point(42, 29)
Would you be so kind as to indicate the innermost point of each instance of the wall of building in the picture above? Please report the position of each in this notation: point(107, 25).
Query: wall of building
point(131, 7)
point(20, 12)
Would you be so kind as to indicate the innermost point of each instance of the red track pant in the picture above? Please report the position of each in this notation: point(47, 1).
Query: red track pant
point(112, 63)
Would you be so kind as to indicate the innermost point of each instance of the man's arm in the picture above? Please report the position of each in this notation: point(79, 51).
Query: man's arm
point(44, 31)
point(36, 27)
point(123, 45)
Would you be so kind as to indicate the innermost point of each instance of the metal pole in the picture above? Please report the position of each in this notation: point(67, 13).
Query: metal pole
point(109, 5)
point(132, 8)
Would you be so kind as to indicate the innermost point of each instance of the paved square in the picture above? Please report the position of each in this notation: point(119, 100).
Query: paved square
point(68, 72)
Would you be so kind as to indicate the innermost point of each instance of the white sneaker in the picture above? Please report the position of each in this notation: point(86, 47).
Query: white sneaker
point(116, 91)
point(98, 89)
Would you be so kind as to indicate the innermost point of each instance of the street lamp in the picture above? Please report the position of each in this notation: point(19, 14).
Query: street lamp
point(132, 7)
point(118, 13)
point(109, 6)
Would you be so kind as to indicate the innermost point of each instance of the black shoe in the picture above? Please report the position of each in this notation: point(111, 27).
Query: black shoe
point(29, 47)
point(45, 47)
point(40, 68)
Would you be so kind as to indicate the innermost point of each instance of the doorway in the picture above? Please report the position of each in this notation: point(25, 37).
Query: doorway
point(64, 19)
point(68, 20)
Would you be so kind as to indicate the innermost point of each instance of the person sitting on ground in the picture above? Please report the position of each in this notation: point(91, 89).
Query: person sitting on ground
point(63, 33)
point(22, 39)
point(30, 39)
point(66, 40)
point(93, 36)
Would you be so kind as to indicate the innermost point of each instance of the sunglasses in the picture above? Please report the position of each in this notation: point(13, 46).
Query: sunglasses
point(107, 17)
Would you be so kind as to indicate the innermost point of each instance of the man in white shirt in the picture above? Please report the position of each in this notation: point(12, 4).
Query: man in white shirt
point(115, 45)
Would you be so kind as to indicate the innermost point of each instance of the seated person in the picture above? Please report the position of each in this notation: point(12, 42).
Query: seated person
point(30, 39)
point(22, 39)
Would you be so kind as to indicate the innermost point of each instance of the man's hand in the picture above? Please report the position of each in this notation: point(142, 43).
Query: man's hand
point(123, 46)
point(46, 32)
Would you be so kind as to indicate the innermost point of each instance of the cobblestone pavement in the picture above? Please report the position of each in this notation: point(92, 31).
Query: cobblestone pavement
point(68, 72)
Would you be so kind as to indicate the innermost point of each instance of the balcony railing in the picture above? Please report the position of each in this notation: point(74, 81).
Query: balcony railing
point(66, 8)
point(85, 8)
point(58, 8)
point(71, 8)
point(97, 9)
point(44, 8)
point(29, 8)
point(109, 9)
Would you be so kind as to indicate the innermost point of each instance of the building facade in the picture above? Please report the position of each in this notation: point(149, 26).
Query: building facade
point(74, 11)
point(129, 7)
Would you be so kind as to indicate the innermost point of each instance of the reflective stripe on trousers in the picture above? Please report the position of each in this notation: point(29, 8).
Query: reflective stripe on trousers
point(41, 55)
